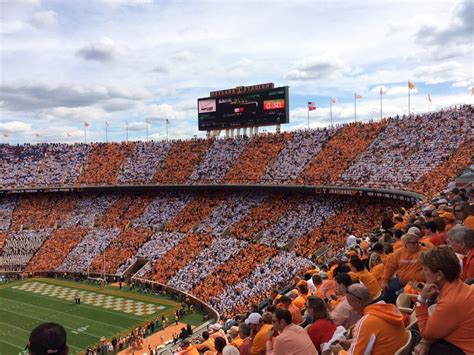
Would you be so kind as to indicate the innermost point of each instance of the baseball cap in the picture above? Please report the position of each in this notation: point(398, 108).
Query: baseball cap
point(253, 318)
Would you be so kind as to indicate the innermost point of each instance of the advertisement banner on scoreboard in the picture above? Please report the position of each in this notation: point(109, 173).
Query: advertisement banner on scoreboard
point(261, 108)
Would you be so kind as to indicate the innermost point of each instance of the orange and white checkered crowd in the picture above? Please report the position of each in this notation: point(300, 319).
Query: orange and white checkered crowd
point(290, 272)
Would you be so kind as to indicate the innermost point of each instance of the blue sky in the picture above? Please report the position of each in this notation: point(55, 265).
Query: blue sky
point(63, 62)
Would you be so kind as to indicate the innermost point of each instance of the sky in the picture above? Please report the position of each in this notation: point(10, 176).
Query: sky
point(122, 61)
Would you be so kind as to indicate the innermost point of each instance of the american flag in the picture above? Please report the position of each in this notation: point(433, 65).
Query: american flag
point(311, 106)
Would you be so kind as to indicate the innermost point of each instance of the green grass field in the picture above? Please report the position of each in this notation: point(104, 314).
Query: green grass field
point(26, 304)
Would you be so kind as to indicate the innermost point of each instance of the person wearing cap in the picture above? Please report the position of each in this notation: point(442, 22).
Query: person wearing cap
point(47, 339)
point(259, 331)
point(449, 220)
point(404, 264)
point(286, 338)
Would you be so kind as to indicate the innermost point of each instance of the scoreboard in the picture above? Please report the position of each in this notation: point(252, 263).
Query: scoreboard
point(258, 108)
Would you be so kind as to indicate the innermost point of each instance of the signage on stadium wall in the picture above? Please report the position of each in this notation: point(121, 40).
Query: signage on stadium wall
point(251, 106)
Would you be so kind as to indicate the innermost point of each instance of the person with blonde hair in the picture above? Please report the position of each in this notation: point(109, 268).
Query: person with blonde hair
point(450, 328)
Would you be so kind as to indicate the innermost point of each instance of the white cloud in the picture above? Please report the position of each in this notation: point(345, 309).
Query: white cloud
point(104, 50)
point(17, 127)
point(314, 68)
point(400, 91)
point(44, 19)
point(462, 84)
point(161, 111)
point(438, 73)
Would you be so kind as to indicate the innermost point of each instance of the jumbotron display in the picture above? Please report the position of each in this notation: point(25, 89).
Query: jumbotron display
point(258, 108)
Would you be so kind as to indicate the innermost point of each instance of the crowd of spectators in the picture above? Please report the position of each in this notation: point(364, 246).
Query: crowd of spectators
point(207, 260)
point(181, 161)
point(259, 152)
point(92, 245)
point(221, 155)
point(303, 146)
point(299, 220)
point(407, 149)
point(403, 150)
point(274, 273)
point(141, 166)
point(55, 249)
point(7, 206)
point(341, 149)
point(19, 247)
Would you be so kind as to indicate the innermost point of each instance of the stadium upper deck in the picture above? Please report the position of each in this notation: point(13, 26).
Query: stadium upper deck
point(393, 153)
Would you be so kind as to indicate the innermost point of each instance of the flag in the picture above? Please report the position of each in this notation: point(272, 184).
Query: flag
point(167, 121)
point(381, 91)
point(472, 90)
point(429, 98)
point(357, 96)
point(37, 135)
point(69, 135)
point(311, 106)
point(410, 85)
point(148, 120)
point(86, 124)
point(107, 124)
point(5, 135)
point(333, 100)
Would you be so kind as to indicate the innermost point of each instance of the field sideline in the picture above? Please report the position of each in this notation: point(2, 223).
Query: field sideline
point(25, 304)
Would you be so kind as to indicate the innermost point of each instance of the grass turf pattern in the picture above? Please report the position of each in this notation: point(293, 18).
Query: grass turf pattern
point(21, 310)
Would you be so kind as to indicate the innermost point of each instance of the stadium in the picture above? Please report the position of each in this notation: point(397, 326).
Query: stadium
point(259, 232)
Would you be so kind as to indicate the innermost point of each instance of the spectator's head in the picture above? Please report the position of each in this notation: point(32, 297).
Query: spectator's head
point(205, 335)
point(377, 248)
point(374, 260)
point(48, 338)
point(358, 296)
point(219, 344)
point(317, 308)
point(302, 289)
point(440, 265)
point(411, 242)
point(397, 233)
point(388, 248)
point(267, 317)
point(343, 281)
point(430, 227)
point(461, 239)
point(461, 210)
point(317, 280)
point(244, 330)
point(233, 331)
point(284, 301)
point(357, 265)
point(281, 318)
point(255, 322)
point(440, 224)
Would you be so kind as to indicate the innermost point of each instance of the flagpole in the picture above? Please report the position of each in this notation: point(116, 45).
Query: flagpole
point(409, 111)
point(106, 137)
point(355, 108)
point(308, 117)
point(381, 94)
point(126, 129)
point(330, 109)
point(85, 133)
point(146, 123)
point(166, 125)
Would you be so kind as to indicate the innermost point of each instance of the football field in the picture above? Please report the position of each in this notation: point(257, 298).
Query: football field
point(102, 312)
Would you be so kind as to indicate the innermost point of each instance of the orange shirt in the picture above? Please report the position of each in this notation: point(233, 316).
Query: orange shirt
point(369, 281)
point(397, 245)
point(405, 265)
point(296, 316)
point(300, 301)
point(468, 266)
point(453, 317)
point(377, 272)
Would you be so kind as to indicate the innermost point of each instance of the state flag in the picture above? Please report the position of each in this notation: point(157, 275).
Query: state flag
point(311, 106)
